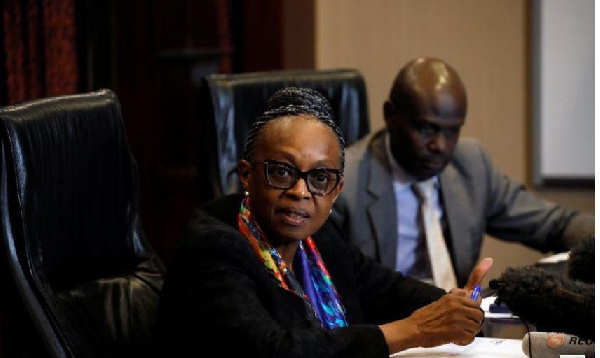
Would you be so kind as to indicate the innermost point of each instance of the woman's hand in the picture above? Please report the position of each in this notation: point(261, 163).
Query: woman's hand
point(454, 318)
point(479, 273)
point(475, 279)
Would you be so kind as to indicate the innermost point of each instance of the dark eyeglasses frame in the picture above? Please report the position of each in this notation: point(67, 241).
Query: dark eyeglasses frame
point(301, 174)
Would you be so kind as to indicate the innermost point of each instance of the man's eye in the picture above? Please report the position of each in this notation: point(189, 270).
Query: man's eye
point(426, 129)
point(452, 131)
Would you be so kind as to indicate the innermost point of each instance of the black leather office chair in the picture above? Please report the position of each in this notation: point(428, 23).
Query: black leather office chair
point(74, 258)
point(231, 102)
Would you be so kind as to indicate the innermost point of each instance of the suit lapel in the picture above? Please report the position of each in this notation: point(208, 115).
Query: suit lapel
point(455, 201)
point(383, 220)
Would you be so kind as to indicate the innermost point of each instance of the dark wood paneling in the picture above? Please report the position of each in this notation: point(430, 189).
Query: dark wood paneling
point(155, 56)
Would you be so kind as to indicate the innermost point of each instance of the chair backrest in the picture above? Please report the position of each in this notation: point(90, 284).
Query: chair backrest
point(71, 238)
point(231, 102)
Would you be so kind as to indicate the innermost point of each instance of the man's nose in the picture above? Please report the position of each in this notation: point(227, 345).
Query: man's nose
point(438, 143)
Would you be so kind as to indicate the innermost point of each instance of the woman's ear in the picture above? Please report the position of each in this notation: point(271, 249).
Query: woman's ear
point(338, 190)
point(244, 173)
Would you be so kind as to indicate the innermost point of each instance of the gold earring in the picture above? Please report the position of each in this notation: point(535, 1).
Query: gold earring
point(246, 193)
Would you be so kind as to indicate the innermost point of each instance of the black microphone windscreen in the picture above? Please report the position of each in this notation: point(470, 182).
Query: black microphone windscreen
point(582, 261)
point(551, 301)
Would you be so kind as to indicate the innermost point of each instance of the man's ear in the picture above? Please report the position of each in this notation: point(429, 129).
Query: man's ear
point(244, 173)
point(389, 111)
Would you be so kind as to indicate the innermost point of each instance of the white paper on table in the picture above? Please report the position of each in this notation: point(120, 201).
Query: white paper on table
point(485, 306)
point(480, 348)
point(556, 258)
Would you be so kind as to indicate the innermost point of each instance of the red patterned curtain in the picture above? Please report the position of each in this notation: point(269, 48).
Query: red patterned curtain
point(40, 45)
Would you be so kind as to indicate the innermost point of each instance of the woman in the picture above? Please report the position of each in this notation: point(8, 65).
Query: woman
point(267, 275)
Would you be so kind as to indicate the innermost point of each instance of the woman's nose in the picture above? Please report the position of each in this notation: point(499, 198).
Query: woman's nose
point(299, 189)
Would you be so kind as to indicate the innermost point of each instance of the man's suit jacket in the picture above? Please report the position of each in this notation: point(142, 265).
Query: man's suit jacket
point(476, 199)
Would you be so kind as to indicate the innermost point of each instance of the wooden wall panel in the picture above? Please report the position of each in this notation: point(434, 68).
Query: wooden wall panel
point(485, 40)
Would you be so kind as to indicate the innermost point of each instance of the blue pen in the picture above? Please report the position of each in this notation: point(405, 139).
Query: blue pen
point(475, 293)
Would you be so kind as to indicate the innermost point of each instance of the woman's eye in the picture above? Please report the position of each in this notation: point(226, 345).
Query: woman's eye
point(282, 171)
point(321, 177)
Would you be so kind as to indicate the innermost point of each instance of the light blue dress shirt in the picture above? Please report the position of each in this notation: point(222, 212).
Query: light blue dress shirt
point(411, 252)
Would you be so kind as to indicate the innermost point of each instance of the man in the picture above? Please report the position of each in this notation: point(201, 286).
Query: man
point(380, 207)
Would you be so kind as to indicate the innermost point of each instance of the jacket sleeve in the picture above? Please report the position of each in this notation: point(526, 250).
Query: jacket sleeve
point(384, 295)
point(515, 213)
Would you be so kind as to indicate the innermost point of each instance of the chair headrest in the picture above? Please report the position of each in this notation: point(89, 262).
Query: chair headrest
point(231, 102)
point(71, 185)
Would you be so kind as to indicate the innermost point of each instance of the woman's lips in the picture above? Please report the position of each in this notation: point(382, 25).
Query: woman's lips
point(294, 216)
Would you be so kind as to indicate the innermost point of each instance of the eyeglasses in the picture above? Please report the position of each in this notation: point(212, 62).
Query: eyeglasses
point(320, 181)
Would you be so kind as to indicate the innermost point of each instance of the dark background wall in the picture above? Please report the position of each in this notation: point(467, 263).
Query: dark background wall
point(156, 55)
point(153, 54)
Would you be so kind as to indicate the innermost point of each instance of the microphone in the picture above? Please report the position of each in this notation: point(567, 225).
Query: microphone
point(552, 345)
point(581, 261)
point(553, 301)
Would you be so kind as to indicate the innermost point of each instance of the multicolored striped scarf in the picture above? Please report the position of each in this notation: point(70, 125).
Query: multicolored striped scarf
point(320, 298)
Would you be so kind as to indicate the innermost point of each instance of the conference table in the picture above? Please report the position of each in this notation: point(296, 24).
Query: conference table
point(480, 348)
point(503, 333)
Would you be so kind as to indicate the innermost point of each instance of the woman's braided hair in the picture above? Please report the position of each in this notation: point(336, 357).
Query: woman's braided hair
point(294, 101)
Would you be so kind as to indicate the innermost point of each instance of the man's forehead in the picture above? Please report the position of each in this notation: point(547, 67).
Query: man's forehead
point(444, 122)
point(441, 102)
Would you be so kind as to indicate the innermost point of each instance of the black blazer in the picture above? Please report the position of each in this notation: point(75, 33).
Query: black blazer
point(218, 296)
